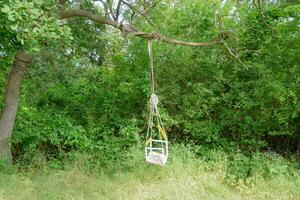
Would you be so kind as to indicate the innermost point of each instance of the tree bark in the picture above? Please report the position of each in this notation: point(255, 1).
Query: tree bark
point(11, 101)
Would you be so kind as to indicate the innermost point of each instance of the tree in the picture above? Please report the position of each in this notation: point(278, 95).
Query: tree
point(38, 23)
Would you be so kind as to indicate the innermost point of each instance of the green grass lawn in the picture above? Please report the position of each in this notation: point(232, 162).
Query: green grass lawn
point(180, 179)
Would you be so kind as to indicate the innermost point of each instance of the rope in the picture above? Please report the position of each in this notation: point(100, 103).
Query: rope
point(151, 65)
point(150, 121)
point(153, 104)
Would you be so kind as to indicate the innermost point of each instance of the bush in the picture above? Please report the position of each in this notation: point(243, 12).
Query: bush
point(46, 134)
point(50, 138)
point(239, 167)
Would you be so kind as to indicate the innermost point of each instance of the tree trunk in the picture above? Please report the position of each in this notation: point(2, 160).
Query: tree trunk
point(11, 101)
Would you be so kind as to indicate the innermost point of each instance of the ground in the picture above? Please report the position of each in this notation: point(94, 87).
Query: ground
point(187, 181)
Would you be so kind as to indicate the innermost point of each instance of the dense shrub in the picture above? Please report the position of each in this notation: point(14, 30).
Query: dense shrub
point(47, 132)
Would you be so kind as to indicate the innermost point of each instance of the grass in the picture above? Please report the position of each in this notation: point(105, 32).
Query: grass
point(184, 178)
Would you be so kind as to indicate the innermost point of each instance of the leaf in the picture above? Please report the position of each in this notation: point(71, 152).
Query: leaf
point(11, 17)
point(5, 9)
point(14, 27)
point(36, 49)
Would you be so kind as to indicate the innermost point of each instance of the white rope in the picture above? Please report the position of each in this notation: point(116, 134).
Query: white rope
point(151, 65)
point(154, 111)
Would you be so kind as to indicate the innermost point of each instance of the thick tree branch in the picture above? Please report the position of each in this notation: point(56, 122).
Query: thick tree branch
point(131, 30)
point(89, 15)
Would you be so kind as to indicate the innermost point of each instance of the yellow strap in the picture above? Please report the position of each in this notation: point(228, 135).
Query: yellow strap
point(162, 132)
point(148, 141)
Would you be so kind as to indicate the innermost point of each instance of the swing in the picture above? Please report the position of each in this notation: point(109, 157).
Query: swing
point(156, 150)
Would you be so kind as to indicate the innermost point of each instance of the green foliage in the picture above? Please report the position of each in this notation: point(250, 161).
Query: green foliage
point(34, 23)
point(46, 133)
point(215, 100)
point(240, 168)
point(247, 168)
point(88, 101)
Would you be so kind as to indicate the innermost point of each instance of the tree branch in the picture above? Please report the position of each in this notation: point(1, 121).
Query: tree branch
point(111, 10)
point(118, 10)
point(89, 15)
point(223, 36)
point(107, 9)
point(131, 30)
point(62, 2)
point(233, 55)
point(137, 11)
point(131, 17)
point(151, 7)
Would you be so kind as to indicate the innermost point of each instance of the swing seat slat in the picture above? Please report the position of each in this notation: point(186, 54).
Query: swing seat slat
point(156, 158)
